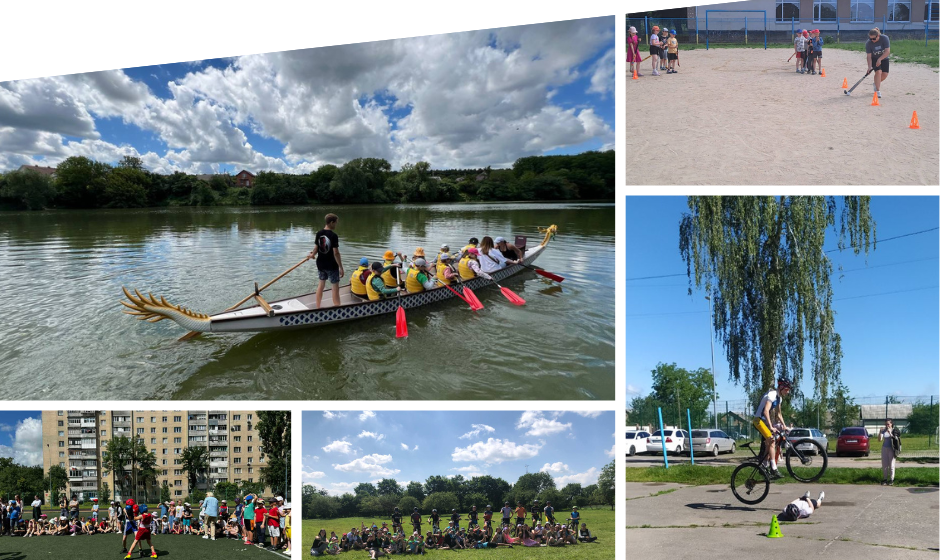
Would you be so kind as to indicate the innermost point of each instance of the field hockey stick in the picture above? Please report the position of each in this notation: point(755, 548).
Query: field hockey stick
point(791, 57)
point(858, 82)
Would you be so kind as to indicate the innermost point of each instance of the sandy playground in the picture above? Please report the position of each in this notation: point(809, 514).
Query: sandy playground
point(745, 117)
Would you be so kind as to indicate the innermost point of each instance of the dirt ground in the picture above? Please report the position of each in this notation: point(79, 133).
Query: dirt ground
point(745, 117)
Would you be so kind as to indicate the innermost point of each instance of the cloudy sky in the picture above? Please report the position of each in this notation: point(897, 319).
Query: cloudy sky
point(458, 100)
point(21, 437)
point(342, 449)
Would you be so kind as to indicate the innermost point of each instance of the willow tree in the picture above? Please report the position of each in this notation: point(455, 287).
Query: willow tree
point(762, 262)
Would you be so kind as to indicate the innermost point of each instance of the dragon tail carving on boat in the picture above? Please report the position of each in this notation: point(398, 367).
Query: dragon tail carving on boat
point(151, 309)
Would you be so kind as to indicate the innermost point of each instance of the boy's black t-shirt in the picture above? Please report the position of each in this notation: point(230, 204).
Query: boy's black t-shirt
point(454, 517)
point(472, 515)
point(326, 241)
point(396, 518)
point(416, 517)
point(435, 518)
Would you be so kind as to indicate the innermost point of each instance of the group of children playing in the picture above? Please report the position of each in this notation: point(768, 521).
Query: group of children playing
point(382, 541)
point(664, 51)
point(250, 520)
point(808, 51)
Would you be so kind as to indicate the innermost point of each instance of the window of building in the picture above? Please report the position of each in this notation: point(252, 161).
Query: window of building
point(177, 440)
point(164, 419)
point(824, 10)
point(140, 419)
point(177, 450)
point(61, 423)
point(899, 11)
point(104, 432)
point(59, 413)
point(164, 472)
point(164, 429)
point(932, 10)
point(249, 449)
point(177, 482)
point(177, 493)
point(61, 464)
point(236, 450)
point(61, 433)
point(177, 462)
point(862, 10)
point(249, 417)
point(164, 442)
point(251, 481)
point(153, 440)
point(249, 438)
point(61, 443)
point(140, 431)
point(153, 419)
point(61, 453)
point(249, 460)
point(237, 438)
point(237, 460)
point(788, 10)
point(178, 430)
point(153, 430)
point(163, 462)
point(236, 417)
point(237, 428)
point(238, 470)
point(178, 472)
point(251, 470)
point(104, 422)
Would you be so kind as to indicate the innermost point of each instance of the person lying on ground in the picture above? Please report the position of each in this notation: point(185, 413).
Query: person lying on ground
point(801, 508)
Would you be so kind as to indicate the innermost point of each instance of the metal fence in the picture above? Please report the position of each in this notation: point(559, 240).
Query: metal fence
point(750, 31)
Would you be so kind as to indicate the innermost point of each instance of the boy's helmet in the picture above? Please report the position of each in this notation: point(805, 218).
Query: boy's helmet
point(142, 508)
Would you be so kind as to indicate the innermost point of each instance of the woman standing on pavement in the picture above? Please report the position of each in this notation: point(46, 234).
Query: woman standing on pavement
point(890, 446)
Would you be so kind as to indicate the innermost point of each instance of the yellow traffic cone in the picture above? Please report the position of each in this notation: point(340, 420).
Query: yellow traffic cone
point(774, 532)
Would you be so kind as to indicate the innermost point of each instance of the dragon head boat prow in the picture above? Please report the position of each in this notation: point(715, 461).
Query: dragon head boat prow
point(151, 309)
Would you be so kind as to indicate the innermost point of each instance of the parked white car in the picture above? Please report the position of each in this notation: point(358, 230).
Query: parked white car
point(636, 442)
point(675, 441)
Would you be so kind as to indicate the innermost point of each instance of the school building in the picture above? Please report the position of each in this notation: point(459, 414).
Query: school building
point(76, 439)
point(825, 15)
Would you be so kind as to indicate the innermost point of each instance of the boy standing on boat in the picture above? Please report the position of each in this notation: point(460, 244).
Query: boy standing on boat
point(329, 262)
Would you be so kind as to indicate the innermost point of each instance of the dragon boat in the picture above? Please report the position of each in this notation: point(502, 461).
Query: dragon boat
point(301, 312)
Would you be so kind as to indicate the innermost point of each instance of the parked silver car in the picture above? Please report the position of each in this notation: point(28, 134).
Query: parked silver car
point(808, 433)
point(712, 442)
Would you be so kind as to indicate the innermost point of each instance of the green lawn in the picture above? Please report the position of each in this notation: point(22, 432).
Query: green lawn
point(94, 547)
point(702, 474)
point(599, 521)
point(906, 50)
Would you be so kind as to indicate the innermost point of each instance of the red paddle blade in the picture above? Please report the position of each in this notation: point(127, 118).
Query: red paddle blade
point(401, 326)
point(472, 298)
point(549, 275)
point(512, 296)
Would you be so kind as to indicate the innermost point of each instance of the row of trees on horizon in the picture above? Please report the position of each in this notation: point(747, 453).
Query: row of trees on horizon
point(80, 182)
point(446, 493)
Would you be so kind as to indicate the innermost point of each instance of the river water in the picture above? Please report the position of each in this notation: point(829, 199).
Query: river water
point(63, 335)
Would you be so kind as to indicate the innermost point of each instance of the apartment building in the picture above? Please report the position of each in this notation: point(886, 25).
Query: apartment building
point(76, 439)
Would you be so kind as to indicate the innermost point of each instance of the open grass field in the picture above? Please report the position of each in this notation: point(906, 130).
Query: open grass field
point(740, 116)
point(96, 547)
point(700, 474)
point(600, 521)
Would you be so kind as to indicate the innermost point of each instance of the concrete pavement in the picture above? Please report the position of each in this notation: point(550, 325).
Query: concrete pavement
point(855, 522)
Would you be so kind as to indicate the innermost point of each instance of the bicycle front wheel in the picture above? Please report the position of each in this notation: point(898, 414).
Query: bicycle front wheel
point(750, 483)
point(806, 460)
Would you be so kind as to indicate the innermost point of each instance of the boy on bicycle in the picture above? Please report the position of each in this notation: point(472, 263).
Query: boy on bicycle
point(770, 404)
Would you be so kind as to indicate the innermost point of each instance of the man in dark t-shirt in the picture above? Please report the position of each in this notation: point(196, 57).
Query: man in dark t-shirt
point(877, 50)
point(329, 263)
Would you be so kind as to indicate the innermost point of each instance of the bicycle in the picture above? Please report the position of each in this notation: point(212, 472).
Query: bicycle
point(750, 481)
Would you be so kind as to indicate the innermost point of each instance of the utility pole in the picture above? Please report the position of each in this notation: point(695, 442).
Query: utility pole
point(711, 340)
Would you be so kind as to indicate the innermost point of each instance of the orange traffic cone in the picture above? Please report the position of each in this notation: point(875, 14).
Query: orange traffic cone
point(845, 83)
point(874, 100)
point(634, 74)
point(823, 72)
point(914, 122)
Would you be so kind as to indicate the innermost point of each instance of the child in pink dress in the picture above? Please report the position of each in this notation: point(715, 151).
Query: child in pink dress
point(633, 50)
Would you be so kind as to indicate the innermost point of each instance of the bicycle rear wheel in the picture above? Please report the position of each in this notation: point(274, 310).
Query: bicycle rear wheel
point(750, 483)
point(806, 465)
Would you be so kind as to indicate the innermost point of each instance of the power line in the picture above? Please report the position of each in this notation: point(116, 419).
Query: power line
point(828, 251)
point(888, 293)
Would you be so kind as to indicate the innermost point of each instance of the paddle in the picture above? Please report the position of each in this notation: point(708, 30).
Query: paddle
point(456, 293)
point(545, 273)
point(510, 295)
point(256, 295)
point(401, 326)
point(474, 300)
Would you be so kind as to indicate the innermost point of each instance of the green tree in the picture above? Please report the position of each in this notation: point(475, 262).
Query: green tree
point(761, 259)
point(116, 456)
point(924, 418)
point(164, 492)
point(415, 490)
point(389, 486)
point(441, 501)
point(20, 479)
point(407, 504)
point(843, 410)
point(227, 491)
point(436, 483)
point(220, 183)
point(677, 389)
point(194, 461)
point(493, 488)
point(535, 482)
point(274, 430)
point(32, 190)
point(79, 181)
point(364, 489)
point(131, 162)
point(606, 488)
point(104, 493)
point(59, 482)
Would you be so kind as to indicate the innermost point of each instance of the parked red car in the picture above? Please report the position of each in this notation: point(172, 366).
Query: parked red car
point(852, 440)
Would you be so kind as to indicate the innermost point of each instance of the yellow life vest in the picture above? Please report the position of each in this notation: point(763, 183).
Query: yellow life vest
point(389, 275)
point(411, 281)
point(355, 285)
point(441, 267)
point(463, 267)
point(373, 295)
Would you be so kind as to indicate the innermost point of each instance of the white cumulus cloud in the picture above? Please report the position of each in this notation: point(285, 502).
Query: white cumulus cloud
point(537, 425)
point(558, 467)
point(495, 451)
point(373, 435)
point(584, 479)
point(477, 430)
point(372, 464)
point(366, 414)
point(26, 448)
point(339, 446)
point(333, 415)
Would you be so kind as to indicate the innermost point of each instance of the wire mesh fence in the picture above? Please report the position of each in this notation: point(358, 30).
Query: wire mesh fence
point(750, 30)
